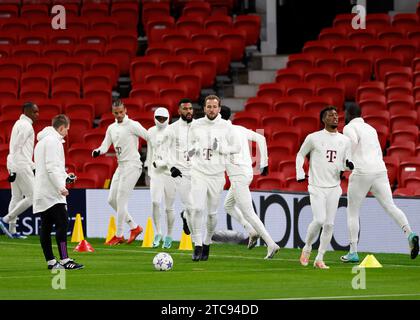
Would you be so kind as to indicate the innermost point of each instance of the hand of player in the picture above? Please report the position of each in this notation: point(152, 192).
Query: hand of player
point(300, 179)
point(64, 192)
point(349, 164)
point(154, 164)
point(264, 171)
point(33, 171)
point(12, 177)
point(71, 178)
point(96, 153)
point(175, 172)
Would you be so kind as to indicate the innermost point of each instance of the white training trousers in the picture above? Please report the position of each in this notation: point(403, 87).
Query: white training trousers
point(205, 194)
point(324, 205)
point(359, 186)
point(238, 203)
point(123, 182)
point(162, 186)
point(22, 195)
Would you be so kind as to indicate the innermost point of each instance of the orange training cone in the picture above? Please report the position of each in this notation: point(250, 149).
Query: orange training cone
point(84, 246)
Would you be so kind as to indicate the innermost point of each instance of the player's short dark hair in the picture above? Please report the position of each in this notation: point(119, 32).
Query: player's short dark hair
point(184, 100)
point(211, 97)
point(117, 103)
point(353, 110)
point(325, 110)
point(59, 120)
point(225, 112)
point(28, 106)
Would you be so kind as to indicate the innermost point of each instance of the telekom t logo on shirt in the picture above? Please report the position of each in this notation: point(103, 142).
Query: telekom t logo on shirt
point(331, 155)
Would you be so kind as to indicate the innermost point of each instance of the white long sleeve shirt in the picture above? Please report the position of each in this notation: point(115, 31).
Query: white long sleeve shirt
point(241, 163)
point(21, 147)
point(51, 174)
point(177, 143)
point(155, 152)
point(203, 133)
point(328, 154)
point(125, 138)
point(366, 149)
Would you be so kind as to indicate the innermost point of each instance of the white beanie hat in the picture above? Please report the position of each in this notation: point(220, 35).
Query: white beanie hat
point(161, 112)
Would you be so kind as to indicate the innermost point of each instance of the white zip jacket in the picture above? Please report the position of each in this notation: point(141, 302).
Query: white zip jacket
point(177, 142)
point(125, 138)
point(50, 177)
point(328, 154)
point(365, 146)
point(155, 152)
point(241, 163)
point(21, 147)
point(205, 160)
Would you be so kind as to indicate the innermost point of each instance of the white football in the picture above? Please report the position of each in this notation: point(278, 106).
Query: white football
point(163, 261)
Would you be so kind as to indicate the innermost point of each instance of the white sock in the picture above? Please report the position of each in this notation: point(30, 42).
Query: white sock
point(64, 261)
point(170, 219)
point(156, 217)
point(12, 228)
point(407, 230)
point(311, 235)
point(353, 247)
point(211, 227)
point(5, 219)
point(51, 262)
point(197, 223)
point(326, 235)
point(129, 220)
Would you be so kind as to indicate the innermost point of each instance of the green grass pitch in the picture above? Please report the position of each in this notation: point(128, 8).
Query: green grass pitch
point(232, 272)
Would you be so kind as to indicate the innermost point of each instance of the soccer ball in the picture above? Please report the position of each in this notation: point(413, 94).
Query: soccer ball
point(163, 261)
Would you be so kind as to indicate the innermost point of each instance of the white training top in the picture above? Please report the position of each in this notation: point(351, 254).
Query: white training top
point(125, 138)
point(51, 174)
point(328, 153)
point(241, 163)
point(155, 152)
point(21, 147)
point(365, 147)
point(177, 143)
point(204, 159)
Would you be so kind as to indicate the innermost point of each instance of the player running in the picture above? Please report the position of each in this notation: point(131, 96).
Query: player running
point(238, 202)
point(369, 175)
point(124, 134)
point(329, 153)
point(161, 182)
point(21, 169)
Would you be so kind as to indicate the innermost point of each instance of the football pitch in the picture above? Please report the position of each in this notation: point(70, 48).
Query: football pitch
point(232, 272)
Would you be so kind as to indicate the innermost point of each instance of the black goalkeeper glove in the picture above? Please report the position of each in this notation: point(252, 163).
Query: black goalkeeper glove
point(175, 172)
point(264, 171)
point(349, 164)
point(33, 171)
point(12, 177)
point(96, 153)
point(71, 178)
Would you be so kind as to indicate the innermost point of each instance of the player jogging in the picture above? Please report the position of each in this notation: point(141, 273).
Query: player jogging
point(238, 202)
point(161, 182)
point(329, 153)
point(21, 169)
point(369, 175)
point(124, 134)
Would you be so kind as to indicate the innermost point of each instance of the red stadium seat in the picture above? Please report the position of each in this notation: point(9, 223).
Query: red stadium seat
point(308, 122)
point(361, 35)
point(290, 105)
point(302, 90)
point(316, 104)
point(301, 61)
point(350, 78)
point(251, 24)
point(78, 127)
point(248, 120)
point(273, 120)
point(126, 14)
point(344, 47)
point(289, 75)
point(399, 90)
point(401, 104)
point(402, 150)
point(79, 154)
point(221, 54)
point(235, 41)
point(140, 66)
point(94, 137)
point(259, 105)
point(188, 25)
point(378, 20)
point(406, 48)
point(405, 20)
point(361, 62)
point(386, 61)
point(144, 91)
point(158, 49)
point(191, 81)
point(87, 181)
point(102, 98)
point(334, 91)
point(31, 11)
point(94, 10)
point(103, 167)
point(273, 181)
point(319, 75)
point(373, 104)
point(329, 60)
point(333, 34)
point(58, 51)
point(390, 34)
point(403, 192)
point(206, 68)
point(158, 77)
point(271, 90)
point(104, 25)
point(95, 78)
point(369, 89)
point(317, 47)
point(396, 75)
point(408, 117)
point(288, 133)
point(375, 119)
point(405, 133)
point(133, 105)
point(49, 108)
point(150, 105)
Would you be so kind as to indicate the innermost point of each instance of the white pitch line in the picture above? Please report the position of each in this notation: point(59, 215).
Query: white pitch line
point(351, 297)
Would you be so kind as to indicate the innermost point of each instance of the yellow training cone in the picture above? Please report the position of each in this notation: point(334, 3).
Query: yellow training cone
point(77, 234)
point(148, 234)
point(112, 229)
point(370, 262)
point(185, 243)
